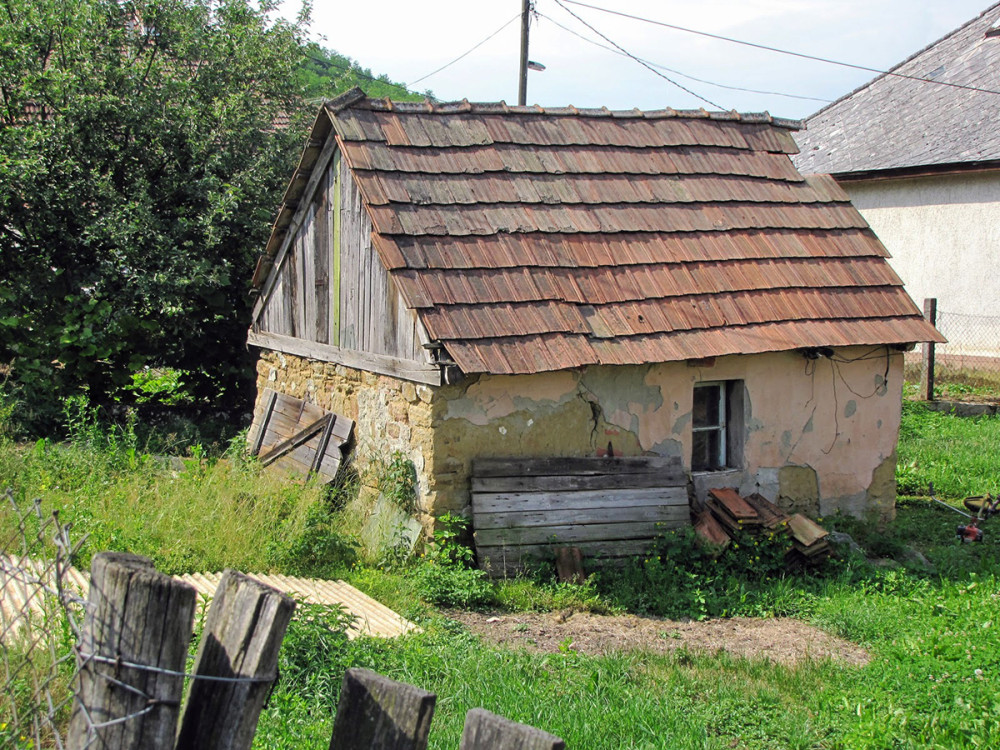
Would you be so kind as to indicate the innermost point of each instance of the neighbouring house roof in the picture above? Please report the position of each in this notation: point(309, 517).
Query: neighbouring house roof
point(900, 123)
point(530, 239)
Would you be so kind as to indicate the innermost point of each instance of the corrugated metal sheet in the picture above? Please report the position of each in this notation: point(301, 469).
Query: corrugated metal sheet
point(531, 240)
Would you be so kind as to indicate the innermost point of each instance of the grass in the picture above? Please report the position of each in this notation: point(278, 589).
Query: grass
point(960, 456)
point(933, 681)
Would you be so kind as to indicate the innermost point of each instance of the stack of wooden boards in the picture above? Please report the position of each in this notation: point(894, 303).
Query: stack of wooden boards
point(607, 508)
point(727, 515)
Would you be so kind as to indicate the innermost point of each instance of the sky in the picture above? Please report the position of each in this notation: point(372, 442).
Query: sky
point(408, 39)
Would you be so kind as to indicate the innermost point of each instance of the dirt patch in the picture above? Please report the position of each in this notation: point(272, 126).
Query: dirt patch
point(782, 640)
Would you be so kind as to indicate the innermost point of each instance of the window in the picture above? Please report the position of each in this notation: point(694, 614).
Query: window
point(716, 425)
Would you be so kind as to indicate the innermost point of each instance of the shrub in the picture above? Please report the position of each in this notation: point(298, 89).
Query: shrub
point(445, 575)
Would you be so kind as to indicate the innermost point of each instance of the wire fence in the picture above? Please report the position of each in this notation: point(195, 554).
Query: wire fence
point(41, 611)
point(967, 367)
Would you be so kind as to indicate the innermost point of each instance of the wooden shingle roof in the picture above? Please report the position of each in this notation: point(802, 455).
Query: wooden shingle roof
point(894, 122)
point(532, 239)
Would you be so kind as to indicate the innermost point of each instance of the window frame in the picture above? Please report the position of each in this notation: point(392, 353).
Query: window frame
point(720, 427)
point(728, 431)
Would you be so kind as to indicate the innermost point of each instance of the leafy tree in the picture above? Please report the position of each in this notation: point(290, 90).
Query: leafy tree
point(140, 167)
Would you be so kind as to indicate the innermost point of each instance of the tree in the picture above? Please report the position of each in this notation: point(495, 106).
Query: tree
point(140, 167)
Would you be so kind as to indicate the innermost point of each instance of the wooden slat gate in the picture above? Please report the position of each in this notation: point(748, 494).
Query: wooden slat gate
point(299, 437)
point(607, 507)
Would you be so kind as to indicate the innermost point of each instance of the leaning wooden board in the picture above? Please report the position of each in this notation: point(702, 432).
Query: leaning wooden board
point(298, 437)
point(610, 508)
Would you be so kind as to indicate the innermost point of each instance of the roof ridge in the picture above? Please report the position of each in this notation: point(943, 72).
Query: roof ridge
point(900, 64)
point(464, 106)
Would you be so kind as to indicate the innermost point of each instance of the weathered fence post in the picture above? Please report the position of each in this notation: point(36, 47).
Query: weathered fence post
point(487, 731)
point(239, 646)
point(138, 622)
point(376, 713)
point(927, 374)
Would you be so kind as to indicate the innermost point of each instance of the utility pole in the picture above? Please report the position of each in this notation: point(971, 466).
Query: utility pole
point(522, 88)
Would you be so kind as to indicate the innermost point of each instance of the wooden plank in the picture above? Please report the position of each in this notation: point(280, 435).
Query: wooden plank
point(770, 514)
point(417, 372)
point(321, 260)
point(806, 531)
point(487, 731)
point(504, 556)
point(521, 502)
point(307, 264)
point(608, 514)
point(376, 713)
point(518, 467)
point(566, 482)
point(709, 529)
point(335, 232)
point(567, 533)
point(256, 436)
point(734, 505)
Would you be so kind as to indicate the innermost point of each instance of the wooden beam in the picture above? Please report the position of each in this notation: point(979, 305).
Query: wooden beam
point(299, 438)
point(379, 363)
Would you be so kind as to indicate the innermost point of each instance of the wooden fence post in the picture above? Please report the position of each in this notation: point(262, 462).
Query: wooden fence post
point(487, 731)
point(138, 621)
point(243, 631)
point(927, 374)
point(376, 713)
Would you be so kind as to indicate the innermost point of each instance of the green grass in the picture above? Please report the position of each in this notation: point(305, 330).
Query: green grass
point(960, 456)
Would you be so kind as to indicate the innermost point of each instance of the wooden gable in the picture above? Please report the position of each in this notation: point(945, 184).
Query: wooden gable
point(328, 296)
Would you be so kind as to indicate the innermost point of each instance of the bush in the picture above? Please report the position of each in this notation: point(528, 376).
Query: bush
point(445, 575)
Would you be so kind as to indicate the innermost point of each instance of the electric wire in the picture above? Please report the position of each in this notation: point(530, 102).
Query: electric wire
point(464, 54)
point(778, 49)
point(641, 62)
point(678, 72)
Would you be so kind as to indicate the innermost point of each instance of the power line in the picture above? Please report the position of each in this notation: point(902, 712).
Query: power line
point(641, 62)
point(678, 72)
point(473, 49)
point(777, 49)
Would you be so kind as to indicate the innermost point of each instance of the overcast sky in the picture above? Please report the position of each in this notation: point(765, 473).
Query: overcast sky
point(408, 39)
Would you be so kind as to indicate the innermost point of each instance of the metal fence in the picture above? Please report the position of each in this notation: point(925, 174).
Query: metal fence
point(967, 367)
point(41, 608)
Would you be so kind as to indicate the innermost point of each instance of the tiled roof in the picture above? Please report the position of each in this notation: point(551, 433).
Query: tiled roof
point(531, 240)
point(899, 123)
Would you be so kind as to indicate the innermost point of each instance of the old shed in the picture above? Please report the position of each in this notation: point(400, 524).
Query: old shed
point(473, 281)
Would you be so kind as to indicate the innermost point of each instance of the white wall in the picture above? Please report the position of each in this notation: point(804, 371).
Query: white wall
point(944, 236)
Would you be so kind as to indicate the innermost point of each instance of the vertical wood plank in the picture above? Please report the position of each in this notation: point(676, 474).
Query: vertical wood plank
point(289, 276)
point(487, 731)
point(376, 713)
point(308, 266)
point(335, 235)
point(243, 631)
point(927, 373)
point(135, 615)
point(321, 258)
